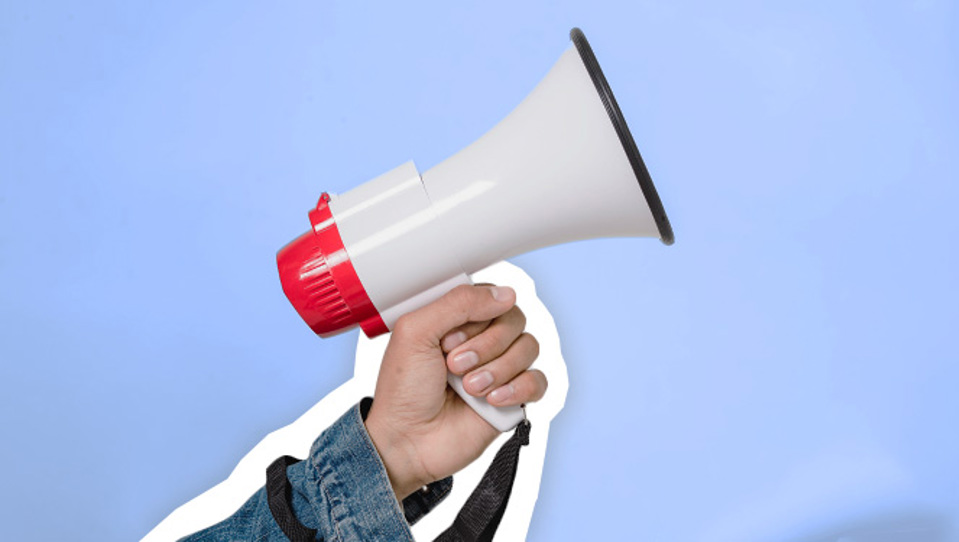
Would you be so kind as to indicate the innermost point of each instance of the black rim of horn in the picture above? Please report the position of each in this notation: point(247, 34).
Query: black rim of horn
point(619, 123)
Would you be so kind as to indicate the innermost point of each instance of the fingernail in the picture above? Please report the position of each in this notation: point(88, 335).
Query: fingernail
point(500, 293)
point(479, 381)
point(464, 361)
point(453, 340)
point(501, 394)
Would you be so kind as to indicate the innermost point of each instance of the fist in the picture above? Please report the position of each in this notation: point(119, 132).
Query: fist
point(422, 430)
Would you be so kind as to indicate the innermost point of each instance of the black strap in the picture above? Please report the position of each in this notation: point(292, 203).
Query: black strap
point(279, 495)
point(480, 516)
point(477, 521)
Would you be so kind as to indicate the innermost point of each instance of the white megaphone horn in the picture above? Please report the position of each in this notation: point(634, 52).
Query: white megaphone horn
point(561, 167)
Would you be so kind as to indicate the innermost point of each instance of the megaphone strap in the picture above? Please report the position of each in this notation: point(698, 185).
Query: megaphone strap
point(479, 518)
point(477, 521)
point(279, 492)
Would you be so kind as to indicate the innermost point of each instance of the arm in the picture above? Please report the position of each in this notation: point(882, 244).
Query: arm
point(341, 490)
point(417, 432)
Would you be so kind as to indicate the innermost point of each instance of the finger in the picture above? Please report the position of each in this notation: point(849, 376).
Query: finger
point(462, 334)
point(466, 331)
point(459, 306)
point(488, 345)
point(528, 387)
point(503, 369)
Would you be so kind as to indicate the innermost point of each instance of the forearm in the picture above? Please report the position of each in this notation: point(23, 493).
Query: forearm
point(341, 490)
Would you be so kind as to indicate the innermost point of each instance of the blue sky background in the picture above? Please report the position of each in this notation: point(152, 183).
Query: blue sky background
point(786, 371)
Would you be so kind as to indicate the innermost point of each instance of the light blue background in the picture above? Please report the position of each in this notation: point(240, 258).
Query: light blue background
point(786, 371)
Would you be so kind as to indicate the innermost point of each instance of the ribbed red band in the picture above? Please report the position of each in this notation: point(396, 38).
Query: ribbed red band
point(321, 283)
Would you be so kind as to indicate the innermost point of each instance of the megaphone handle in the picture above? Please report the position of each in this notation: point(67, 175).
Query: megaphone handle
point(502, 418)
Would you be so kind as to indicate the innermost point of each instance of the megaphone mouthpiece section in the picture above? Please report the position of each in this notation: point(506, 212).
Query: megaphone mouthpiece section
point(321, 283)
point(625, 137)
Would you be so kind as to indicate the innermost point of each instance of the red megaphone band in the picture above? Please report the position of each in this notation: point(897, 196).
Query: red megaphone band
point(321, 283)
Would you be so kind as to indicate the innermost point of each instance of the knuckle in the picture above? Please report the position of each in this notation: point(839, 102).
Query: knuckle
point(484, 345)
point(462, 293)
point(532, 345)
point(403, 325)
point(542, 389)
point(473, 330)
point(525, 388)
point(537, 385)
point(461, 298)
point(541, 377)
point(520, 317)
point(490, 342)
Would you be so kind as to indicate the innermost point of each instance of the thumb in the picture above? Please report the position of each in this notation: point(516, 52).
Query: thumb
point(459, 306)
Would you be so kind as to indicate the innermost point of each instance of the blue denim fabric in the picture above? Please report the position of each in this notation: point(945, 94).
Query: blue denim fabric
point(341, 490)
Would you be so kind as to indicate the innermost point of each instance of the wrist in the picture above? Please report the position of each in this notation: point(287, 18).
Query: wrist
point(398, 457)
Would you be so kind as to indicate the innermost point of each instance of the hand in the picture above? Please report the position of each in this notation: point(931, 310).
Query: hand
point(422, 430)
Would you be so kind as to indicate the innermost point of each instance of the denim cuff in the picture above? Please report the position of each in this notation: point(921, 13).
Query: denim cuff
point(343, 485)
point(421, 502)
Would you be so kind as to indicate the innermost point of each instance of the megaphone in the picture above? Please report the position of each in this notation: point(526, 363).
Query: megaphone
point(561, 167)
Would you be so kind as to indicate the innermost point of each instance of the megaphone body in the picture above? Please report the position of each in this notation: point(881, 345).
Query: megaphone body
point(561, 167)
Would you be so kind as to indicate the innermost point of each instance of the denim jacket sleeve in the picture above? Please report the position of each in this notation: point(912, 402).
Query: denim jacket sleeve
point(341, 490)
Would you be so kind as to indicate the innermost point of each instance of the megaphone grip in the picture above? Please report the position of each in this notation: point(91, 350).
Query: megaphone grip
point(502, 418)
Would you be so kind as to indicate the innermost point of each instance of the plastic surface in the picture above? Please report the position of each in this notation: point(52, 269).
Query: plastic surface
point(502, 418)
point(625, 137)
point(389, 229)
point(319, 279)
point(553, 171)
point(561, 167)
